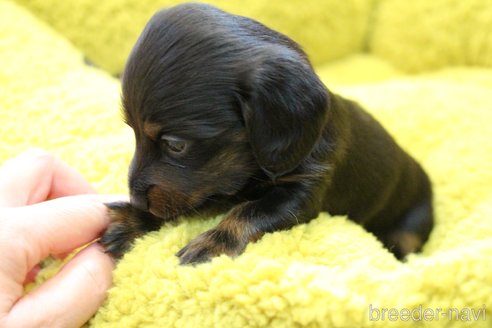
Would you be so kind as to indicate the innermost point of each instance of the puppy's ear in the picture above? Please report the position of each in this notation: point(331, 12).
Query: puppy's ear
point(284, 114)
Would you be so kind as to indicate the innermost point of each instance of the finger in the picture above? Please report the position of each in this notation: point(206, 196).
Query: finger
point(58, 226)
point(71, 297)
point(35, 176)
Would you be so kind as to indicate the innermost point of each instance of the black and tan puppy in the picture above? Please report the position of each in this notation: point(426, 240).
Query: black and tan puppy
point(230, 117)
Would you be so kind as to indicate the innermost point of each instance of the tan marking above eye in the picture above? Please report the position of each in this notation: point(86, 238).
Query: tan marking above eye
point(152, 130)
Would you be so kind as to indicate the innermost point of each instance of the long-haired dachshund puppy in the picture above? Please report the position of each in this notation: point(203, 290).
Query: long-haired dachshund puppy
point(229, 117)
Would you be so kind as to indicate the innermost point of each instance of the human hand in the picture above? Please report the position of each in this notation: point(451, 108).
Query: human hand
point(46, 208)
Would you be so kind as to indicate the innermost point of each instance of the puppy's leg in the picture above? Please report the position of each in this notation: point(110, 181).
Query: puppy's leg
point(280, 209)
point(411, 233)
point(127, 224)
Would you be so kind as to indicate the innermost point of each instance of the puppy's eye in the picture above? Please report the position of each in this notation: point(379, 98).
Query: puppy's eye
point(174, 145)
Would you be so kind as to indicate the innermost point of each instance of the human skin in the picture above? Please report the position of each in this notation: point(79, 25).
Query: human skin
point(47, 208)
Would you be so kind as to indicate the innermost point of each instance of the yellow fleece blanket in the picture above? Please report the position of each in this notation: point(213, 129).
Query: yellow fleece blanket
point(328, 273)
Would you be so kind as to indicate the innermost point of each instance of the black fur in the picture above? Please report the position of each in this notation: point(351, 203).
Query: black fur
point(263, 140)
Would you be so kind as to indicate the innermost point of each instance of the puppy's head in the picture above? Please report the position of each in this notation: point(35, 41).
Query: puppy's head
point(215, 99)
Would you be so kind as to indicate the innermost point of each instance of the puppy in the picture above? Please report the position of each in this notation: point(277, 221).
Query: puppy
point(229, 117)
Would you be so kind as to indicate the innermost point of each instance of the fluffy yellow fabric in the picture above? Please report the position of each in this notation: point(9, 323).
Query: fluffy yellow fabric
point(325, 273)
point(50, 99)
point(419, 35)
point(100, 27)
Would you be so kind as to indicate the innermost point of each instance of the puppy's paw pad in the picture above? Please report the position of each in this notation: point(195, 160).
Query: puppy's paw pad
point(208, 245)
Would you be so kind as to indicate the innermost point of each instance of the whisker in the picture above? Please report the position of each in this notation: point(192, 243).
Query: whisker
point(294, 215)
point(191, 207)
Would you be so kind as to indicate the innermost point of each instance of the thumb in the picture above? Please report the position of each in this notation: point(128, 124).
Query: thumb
point(71, 297)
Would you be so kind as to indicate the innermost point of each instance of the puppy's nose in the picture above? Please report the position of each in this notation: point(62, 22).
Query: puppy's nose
point(139, 201)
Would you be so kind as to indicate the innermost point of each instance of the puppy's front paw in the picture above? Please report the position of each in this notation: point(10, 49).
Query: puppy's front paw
point(208, 245)
point(122, 230)
point(116, 240)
